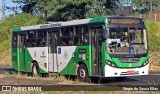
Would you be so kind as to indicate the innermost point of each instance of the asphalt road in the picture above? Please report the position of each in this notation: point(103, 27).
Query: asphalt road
point(151, 79)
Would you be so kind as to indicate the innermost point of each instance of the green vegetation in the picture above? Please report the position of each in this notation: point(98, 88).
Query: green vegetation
point(153, 35)
point(12, 22)
point(145, 5)
point(56, 10)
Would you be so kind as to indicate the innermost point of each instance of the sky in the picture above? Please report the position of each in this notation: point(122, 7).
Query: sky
point(8, 3)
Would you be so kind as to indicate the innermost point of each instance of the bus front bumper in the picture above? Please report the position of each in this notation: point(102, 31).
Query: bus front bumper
point(118, 72)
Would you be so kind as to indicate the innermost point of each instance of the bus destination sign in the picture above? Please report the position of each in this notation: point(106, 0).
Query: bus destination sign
point(51, 25)
point(124, 21)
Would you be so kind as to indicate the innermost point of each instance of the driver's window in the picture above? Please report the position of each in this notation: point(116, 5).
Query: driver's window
point(118, 39)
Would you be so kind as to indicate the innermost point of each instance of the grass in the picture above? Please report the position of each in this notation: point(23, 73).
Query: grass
point(154, 61)
point(154, 45)
point(60, 78)
point(5, 58)
point(153, 35)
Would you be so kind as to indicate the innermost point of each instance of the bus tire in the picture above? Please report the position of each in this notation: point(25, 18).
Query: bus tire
point(82, 73)
point(35, 69)
point(120, 78)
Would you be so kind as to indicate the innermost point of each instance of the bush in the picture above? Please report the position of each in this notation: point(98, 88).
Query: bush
point(153, 38)
point(17, 21)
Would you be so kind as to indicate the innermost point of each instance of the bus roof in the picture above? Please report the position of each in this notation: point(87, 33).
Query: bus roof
point(69, 23)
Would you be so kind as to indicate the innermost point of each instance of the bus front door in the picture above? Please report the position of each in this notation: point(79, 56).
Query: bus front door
point(96, 42)
point(21, 61)
point(52, 46)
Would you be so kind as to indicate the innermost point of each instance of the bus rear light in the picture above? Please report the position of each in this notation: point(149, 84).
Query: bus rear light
point(143, 72)
point(115, 73)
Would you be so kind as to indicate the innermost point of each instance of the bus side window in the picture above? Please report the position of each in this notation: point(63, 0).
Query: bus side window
point(62, 37)
point(14, 40)
point(81, 35)
point(86, 35)
point(77, 36)
point(30, 39)
point(66, 36)
point(70, 38)
point(41, 38)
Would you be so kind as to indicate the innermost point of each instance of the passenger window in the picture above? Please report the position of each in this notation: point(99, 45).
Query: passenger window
point(14, 43)
point(41, 38)
point(30, 39)
point(66, 36)
point(76, 35)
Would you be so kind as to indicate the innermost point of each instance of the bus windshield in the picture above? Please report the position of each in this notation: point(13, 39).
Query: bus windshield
point(127, 40)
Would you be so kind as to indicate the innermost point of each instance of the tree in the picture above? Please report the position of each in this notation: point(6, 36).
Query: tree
point(28, 6)
point(145, 5)
point(80, 9)
point(63, 10)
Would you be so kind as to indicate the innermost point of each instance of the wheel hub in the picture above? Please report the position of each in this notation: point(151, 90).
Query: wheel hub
point(34, 70)
point(82, 73)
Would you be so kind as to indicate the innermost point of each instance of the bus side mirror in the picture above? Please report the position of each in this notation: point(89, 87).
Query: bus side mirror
point(104, 34)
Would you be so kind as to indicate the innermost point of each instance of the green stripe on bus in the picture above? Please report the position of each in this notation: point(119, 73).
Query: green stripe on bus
point(98, 19)
point(16, 29)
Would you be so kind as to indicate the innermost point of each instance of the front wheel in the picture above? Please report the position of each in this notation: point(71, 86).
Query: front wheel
point(120, 78)
point(82, 73)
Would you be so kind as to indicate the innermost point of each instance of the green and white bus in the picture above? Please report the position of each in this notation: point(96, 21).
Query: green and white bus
point(84, 48)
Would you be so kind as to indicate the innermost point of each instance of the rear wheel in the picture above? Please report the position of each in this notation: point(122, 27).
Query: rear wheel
point(120, 78)
point(82, 73)
point(35, 69)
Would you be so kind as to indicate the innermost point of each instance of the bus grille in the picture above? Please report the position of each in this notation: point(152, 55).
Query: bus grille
point(128, 60)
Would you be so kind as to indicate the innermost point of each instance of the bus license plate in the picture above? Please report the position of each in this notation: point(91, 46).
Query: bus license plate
point(130, 72)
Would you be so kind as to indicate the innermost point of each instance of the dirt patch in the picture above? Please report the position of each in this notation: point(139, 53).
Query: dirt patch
point(13, 80)
point(5, 58)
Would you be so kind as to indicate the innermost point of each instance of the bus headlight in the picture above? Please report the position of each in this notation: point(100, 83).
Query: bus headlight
point(145, 63)
point(112, 64)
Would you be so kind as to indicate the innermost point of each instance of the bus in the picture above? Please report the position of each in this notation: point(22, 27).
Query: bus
point(83, 48)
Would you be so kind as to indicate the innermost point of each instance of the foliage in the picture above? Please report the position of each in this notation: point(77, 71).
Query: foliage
point(153, 35)
point(64, 10)
point(12, 22)
point(145, 5)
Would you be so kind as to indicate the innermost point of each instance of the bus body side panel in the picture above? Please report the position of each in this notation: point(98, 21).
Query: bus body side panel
point(52, 62)
point(40, 55)
point(69, 57)
point(15, 61)
point(65, 59)
point(28, 60)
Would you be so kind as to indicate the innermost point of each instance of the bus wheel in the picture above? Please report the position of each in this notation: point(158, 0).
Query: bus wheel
point(35, 69)
point(120, 78)
point(82, 73)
